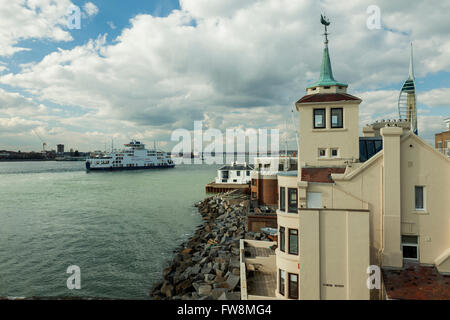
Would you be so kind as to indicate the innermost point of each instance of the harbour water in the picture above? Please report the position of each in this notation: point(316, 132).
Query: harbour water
point(120, 228)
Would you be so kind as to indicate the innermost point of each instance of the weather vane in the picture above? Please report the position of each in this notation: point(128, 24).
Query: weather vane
point(326, 23)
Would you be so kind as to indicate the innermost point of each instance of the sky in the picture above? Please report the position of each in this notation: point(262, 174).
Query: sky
point(142, 69)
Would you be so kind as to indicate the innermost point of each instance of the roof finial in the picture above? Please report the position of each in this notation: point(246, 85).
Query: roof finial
point(326, 23)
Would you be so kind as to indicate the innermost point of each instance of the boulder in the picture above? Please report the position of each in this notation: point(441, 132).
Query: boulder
point(204, 290)
point(232, 282)
point(230, 296)
point(217, 292)
point(183, 286)
point(167, 289)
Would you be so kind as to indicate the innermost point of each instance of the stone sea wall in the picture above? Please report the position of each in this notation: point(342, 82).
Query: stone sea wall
point(207, 265)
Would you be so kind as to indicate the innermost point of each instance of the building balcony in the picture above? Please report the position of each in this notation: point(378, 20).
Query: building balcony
point(258, 270)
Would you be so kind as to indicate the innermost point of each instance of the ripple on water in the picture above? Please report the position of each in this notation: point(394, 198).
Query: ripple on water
point(119, 228)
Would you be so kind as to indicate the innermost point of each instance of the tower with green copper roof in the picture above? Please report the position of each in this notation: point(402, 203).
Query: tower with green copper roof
point(326, 73)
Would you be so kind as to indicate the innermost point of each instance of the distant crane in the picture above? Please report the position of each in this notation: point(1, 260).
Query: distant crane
point(44, 144)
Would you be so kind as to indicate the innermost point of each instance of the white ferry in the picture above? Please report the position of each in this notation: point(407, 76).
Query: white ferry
point(133, 156)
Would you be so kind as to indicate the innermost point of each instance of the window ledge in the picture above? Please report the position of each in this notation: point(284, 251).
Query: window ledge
point(287, 214)
point(329, 130)
point(328, 158)
point(421, 212)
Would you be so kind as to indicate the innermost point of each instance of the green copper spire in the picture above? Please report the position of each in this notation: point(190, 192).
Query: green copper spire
point(326, 73)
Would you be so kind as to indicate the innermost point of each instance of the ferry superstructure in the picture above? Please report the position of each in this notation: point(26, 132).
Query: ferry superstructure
point(133, 156)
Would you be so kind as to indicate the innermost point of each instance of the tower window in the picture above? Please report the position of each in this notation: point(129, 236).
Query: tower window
point(337, 118)
point(282, 199)
point(292, 200)
point(282, 239)
point(293, 286)
point(282, 281)
point(322, 153)
point(334, 153)
point(293, 241)
point(319, 118)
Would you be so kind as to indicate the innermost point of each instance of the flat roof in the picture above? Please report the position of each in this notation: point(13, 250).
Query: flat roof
point(416, 282)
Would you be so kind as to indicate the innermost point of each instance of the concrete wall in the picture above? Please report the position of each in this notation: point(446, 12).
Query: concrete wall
point(333, 253)
point(421, 165)
point(410, 161)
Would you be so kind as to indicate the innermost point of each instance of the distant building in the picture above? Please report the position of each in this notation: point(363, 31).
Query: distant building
point(264, 183)
point(60, 148)
point(234, 173)
point(442, 140)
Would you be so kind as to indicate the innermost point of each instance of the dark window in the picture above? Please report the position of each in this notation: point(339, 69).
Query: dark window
point(293, 286)
point(409, 252)
point(280, 167)
point(282, 281)
point(253, 182)
point(319, 118)
point(322, 153)
point(248, 173)
point(334, 152)
point(282, 199)
point(282, 239)
point(337, 118)
point(410, 247)
point(238, 173)
point(292, 200)
point(418, 196)
point(293, 241)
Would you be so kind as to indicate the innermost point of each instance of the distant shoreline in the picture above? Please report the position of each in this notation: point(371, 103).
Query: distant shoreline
point(20, 160)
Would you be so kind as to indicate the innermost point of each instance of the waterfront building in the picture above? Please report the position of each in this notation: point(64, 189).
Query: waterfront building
point(442, 140)
point(264, 184)
point(378, 200)
point(234, 173)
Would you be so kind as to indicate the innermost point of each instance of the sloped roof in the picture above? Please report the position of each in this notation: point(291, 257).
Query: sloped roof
point(326, 73)
point(320, 174)
point(327, 97)
point(237, 167)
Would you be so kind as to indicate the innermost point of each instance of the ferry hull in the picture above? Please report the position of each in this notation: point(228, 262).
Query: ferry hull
point(89, 168)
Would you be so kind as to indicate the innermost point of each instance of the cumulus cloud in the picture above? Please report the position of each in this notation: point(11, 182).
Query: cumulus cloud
point(436, 97)
point(32, 19)
point(90, 9)
point(232, 63)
